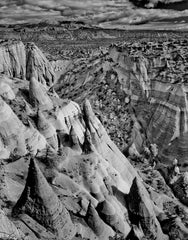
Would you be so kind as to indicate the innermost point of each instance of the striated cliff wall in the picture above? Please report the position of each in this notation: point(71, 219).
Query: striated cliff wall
point(62, 176)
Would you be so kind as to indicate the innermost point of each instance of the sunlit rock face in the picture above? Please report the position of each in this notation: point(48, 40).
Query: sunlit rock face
point(161, 108)
point(13, 59)
point(72, 181)
point(38, 95)
point(141, 212)
point(159, 102)
point(12, 130)
point(7, 228)
point(6, 91)
point(149, 83)
point(38, 63)
point(40, 202)
point(18, 60)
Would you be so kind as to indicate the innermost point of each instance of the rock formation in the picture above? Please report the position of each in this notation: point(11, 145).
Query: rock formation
point(180, 188)
point(40, 202)
point(12, 130)
point(158, 107)
point(6, 91)
point(13, 59)
point(93, 220)
point(78, 184)
point(38, 95)
point(38, 63)
point(47, 130)
point(4, 152)
point(35, 141)
point(7, 229)
point(18, 60)
point(141, 211)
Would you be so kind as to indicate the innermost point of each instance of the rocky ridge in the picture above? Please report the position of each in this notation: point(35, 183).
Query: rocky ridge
point(152, 78)
point(71, 181)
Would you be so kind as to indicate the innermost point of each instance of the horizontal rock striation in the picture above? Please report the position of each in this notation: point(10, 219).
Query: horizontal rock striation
point(72, 181)
point(147, 83)
point(159, 106)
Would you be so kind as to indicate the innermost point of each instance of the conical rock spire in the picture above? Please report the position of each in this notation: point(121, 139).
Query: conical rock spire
point(36, 61)
point(141, 211)
point(93, 220)
point(47, 130)
point(40, 202)
point(74, 141)
point(35, 141)
point(109, 215)
point(87, 146)
point(38, 94)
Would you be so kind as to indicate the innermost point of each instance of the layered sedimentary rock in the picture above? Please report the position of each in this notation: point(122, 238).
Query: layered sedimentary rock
point(141, 212)
point(18, 60)
point(40, 202)
point(149, 80)
point(13, 59)
point(12, 130)
point(93, 220)
point(79, 184)
point(8, 229)
point(47, 130)
point(35, 141)
point(38, 63)
point(157, 97)
point(161, 108)
point(38, 94)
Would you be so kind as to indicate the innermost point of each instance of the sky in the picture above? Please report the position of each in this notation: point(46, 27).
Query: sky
point(119, 14)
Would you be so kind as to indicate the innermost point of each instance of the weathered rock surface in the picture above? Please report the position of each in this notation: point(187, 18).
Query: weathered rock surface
point(18, 60)
point(11, 130)
point(7, 229)
point(38, 94)
point(180, 188)
point(13, 59)
point(38, 63)
point(150, 82)
point(40, 202)
point(79, 184)
point(141, 211)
